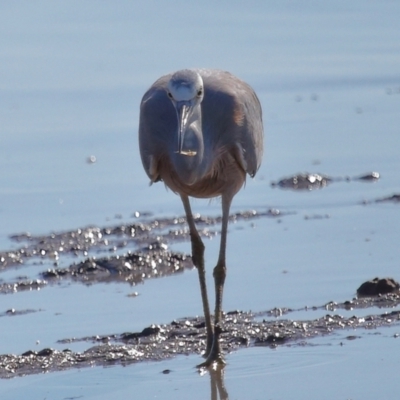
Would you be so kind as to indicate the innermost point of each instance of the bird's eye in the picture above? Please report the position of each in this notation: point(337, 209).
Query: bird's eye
point(170, 95)
point(200, 92)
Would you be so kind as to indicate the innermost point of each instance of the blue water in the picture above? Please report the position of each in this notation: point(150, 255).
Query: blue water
point(72, 76)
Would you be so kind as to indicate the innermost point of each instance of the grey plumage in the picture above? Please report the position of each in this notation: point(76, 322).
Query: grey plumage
point(200, 132)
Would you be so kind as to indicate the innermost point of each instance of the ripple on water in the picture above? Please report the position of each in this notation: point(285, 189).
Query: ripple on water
point(310, 371)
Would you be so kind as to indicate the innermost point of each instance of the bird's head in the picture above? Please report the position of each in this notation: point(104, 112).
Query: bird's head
point(185, 89)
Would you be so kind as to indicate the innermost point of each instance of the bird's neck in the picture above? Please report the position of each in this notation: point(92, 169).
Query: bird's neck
point(190, 167)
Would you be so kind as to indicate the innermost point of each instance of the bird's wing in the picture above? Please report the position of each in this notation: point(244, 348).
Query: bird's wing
point(232, 111)
point(157, 119)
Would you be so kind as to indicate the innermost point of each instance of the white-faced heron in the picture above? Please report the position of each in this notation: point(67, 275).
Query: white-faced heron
point(200, 132)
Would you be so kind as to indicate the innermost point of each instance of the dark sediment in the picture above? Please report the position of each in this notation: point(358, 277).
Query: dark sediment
point(106, 255)
point(187, 336)
point(132, 253)
point(395, 198)
point(303, 181)
point(312, 181)
point(377, 286)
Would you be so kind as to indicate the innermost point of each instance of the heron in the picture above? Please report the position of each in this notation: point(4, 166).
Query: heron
point(201, 132)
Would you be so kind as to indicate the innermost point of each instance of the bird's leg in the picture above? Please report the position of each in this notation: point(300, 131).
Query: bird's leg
point(215, 354)
point(198, 261)
point(220, 269)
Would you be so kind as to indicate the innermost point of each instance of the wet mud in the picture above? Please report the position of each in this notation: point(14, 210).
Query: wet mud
point(395, 198)
point(312, 181)
point(108, 254)
point(130, 253)
point(376, 287)
point(187, 336)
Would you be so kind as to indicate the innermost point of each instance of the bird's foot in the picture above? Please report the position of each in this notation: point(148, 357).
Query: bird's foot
point(214, 354)
point(212, 362)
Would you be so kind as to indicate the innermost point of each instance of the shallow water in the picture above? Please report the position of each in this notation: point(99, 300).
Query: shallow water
point(331, 371)
point(328, 80)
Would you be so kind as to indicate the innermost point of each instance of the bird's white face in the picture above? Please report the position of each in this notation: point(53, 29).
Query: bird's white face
point(182, 93)
point(185, 85)
point(185, 90)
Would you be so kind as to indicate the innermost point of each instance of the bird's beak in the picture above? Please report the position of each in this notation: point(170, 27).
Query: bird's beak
point(184, 110)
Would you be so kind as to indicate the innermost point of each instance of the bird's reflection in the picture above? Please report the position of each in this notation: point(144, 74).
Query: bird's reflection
point(218, 389)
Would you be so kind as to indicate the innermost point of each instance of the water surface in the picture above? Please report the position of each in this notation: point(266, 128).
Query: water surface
point(327, 76)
